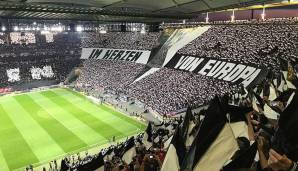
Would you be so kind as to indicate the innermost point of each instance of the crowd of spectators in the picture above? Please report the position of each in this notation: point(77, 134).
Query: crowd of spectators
point(28, 44)
point(121, 40)
point(165, 91)
point(60, 68)
point(168, 90)
point(22, 51)
point(148, 156)
point(107, 74)
point(257, 44)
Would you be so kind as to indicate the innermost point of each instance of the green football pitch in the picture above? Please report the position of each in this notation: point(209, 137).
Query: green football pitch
point(37, 127)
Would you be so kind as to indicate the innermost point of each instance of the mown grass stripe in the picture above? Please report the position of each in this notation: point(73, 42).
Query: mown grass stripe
point(103, 108)
point(15, 150)
point(86, 105)
point(120, 125)
point(98, 112)
point(63, 137)
point(119, 115)
point(37, 138)
point(80, 129)
point(104, 129)
point(3, 164)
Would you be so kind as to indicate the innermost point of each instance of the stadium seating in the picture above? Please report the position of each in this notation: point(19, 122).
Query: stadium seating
point(258, 44)
point(61, 49)
point(26, 51)
point(168, 90)
point(109, 75)
point(121, 40)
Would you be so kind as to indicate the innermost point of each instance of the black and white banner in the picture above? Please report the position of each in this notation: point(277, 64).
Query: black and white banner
point(233, 72)
point(13, 75)
point(37, 73)
point(138, 56)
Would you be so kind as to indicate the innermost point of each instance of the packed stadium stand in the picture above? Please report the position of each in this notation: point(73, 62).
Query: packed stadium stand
point(168, 90)
point(256, 44)
point(45, 58)
point(148, 86)
point(120, 40)
point(111, 75)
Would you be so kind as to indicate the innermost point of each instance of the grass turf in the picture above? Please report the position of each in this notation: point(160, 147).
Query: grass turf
point(37, 127)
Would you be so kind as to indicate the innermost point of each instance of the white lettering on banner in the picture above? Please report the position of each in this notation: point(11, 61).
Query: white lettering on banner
point(246, 73)
point(207, 67)
point(195, 64)
point(188, 63)
point(13, 75)
point(226, 71)
point(250, 78)
point(138, 56)
point(180, 62)
point(233, 74)
point(216, 68)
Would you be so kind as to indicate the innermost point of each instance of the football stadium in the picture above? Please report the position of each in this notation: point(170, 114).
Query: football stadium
point(148, 85)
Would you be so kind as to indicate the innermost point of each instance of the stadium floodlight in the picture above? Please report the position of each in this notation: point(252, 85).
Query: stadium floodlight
point(143, 31)
point(16, 28)
point(3, 28)
point(34, 23)
point(233, 16)
point(263, 14)
point(37, 28)
point(102, 31)
point(59, 28)
point(44, 32)
point(134, 29)
point(79, 28)
point(207, 17)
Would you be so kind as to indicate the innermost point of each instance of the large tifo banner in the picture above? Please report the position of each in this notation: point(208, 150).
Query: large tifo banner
point(228, 71)
point(180, 38)
point(37, 73)
point(138, 56)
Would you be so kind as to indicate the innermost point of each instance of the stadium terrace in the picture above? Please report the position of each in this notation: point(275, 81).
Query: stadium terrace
point(148, 85)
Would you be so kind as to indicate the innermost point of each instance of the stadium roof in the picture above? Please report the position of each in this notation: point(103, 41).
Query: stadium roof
point(117, 10)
